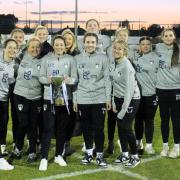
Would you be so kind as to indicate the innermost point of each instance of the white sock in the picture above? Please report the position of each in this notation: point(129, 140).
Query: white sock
point(148, 145)
point(165, 144)
point(176, 147)
point(135, 156)
point(138, 142)
point(89, 151)
point(126, 154)
point(99, 154)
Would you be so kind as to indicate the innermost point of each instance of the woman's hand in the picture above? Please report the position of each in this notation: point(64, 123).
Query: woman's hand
point(108, 105)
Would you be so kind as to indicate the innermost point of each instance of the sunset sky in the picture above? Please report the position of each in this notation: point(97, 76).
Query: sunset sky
point(154, 11)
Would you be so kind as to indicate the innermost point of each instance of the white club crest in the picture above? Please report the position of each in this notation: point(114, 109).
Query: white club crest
point(45, 107)
point(20, 107)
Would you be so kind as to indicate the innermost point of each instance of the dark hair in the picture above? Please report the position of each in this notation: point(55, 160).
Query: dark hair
point(58, 37)
point(142, 39)
point(90, 34)
point(145, 38)
point(92, 20)
point(9, 40)
point(175, 55)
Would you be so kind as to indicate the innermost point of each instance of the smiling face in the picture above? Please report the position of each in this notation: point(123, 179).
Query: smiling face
point(42, 35)
point(90, 44)
point(18, 37)
point(92, 26)
point(168, 37)
point(68, 40)
point(119, 50)
point(122, 36)
point(34, 48)
point(59, 46)
point(145, 46)
point(10, 50)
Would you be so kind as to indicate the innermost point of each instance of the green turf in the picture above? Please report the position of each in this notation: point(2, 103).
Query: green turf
point(162, 168)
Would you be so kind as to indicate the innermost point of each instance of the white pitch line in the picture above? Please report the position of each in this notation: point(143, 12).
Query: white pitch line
point(72, 174)
point(151, 159)
point(119, 169)
point(130, 174)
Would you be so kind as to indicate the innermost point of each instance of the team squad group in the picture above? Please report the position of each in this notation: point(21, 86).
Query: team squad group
point(70, 86)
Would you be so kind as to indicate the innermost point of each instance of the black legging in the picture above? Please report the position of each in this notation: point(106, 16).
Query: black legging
point(145, 118)
point(28, 113)
point(125, 131)
point(169, 103)
point(111, 125)
point(92, 118)
point(3, 121)
point(59, 122)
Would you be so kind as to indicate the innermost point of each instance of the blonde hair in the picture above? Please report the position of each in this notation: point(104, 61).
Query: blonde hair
point(16, 30)
point(121, 30)
point(68, 31)
point(124, 45)
point(34, 39)
point(87, 22)
point(40, 28)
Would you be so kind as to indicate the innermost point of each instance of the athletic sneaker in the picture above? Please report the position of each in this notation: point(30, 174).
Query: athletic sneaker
point(16, 154)
point(4, 151)
point(59, 160)
point(149, 150)
point(121, 159)
point(101, 161)
point(31, 158)
point(165, 151)
point(174, 153)
point(43, 164)
point(86, 159)
point(133, 162)
point(4, 165)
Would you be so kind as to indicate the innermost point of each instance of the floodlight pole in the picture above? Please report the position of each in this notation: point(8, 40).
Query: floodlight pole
point(39, 12)
point(76, 18)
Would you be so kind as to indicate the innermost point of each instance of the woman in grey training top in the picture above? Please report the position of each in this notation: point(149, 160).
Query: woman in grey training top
point(121, 34)
point(93, 26)
point(57, 70)
point(27, 97)
point(92, 97)
point(7, 78)
point(71, 49)
point(146, 65)
point(168, 90)
point(126, 98)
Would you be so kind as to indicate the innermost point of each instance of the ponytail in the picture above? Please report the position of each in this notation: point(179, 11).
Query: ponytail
point(175, 55)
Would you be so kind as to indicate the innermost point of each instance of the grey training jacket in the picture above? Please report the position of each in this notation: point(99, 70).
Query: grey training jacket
point(93, 86)
point(124, 84)
point(27, 81)
point(146, 67)
point(6, 78)
point(57, 66)
point(168, 77)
